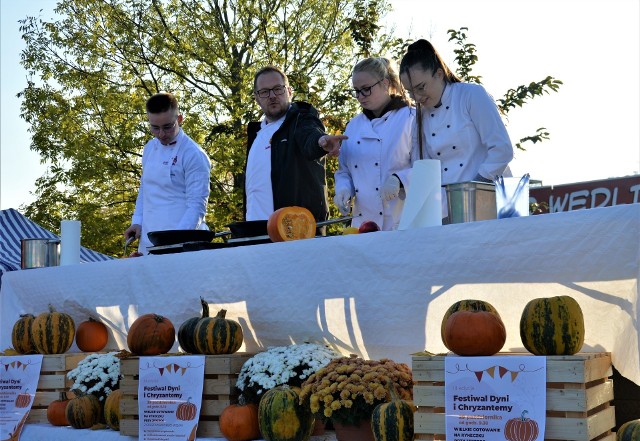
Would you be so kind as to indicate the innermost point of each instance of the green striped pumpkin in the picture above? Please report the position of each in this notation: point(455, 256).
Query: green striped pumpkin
point(282, 418)
point(392, 421)
point(552, 326)
point(112, 409)
point(21, 337)
point(629, 431)
point(187, 330)
point(84, 411)
point(217, 335)
point(53, 332)
point(465, 305)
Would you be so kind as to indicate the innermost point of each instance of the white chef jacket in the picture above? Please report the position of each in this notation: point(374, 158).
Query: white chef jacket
point(375, 150)
point(466, 134)
point(174, 188)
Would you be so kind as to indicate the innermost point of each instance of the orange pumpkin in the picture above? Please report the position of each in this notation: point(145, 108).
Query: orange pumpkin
point(186, 411)
point(474, 333)
point(23, 399)
point(56, 411)
point(521, 429)
point(91, 335)
point(151, 334)
point(239, 422)
point(291, 223)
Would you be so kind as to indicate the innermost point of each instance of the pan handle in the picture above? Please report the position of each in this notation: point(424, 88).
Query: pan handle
point(334, 221)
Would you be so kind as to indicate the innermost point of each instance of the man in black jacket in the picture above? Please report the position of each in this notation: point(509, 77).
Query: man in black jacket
point(285, 159)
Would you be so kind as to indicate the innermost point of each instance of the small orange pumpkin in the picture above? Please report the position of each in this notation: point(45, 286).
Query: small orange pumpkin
point(186, 411)
point(91, 335)
point(474, 333)
point(56, 411)
point(151, 334)
point(239, 422)
point(291, 223)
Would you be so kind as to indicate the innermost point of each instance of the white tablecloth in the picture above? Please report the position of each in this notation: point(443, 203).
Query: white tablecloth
point(46, 432)
point(379, 295)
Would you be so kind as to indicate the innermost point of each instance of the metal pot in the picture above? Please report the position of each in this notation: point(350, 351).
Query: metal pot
point(39, 252)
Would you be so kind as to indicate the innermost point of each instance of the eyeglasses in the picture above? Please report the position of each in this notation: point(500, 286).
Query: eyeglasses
point(165, 128)
point(365, 91)
point(266, 93)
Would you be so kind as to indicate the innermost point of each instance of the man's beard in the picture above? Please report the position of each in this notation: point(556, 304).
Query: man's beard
point(274, 115)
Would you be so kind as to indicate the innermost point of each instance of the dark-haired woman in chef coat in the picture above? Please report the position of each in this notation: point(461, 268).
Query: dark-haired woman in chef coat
point(458, 123)
point(375, 160)
point(174, 187)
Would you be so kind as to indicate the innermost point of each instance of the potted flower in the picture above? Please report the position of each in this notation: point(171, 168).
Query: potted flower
point(97, 374)
point(280, 365)
point(349, 388)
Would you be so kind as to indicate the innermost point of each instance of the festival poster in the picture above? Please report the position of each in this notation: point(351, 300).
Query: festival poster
point(19, 377)
point(495, 398)
point(169, 397)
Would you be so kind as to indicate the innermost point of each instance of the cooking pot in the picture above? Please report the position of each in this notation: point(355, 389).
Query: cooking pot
point(39, 252)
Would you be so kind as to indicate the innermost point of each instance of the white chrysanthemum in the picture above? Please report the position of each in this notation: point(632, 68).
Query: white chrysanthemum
point(97, 374)
point(282, 364)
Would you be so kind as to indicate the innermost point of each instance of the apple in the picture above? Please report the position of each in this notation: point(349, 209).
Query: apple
point(368, 227)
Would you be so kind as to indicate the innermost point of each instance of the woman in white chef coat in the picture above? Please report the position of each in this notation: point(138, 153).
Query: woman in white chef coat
point(174, 187)
point(375, 160)
point(458, 123)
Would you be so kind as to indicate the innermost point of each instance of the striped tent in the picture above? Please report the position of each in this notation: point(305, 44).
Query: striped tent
point(14, 227)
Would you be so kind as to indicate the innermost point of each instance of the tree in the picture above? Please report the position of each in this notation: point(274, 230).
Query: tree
point(466, 57)
point(92, 70)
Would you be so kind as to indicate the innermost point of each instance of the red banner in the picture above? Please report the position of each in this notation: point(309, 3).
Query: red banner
point(591, 194)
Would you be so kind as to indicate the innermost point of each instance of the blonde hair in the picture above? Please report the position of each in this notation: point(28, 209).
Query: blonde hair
point(382, 68)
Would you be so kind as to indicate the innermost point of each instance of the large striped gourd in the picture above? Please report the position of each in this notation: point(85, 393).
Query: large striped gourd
point(552, 326)
point(53, 332)
point(282, 417)
point(21, 337)
point(187, 329)
point(629, 431)
point(217, 335)
point(112, 409)
point(393, 421)
point(84, 411)
point(465, 305)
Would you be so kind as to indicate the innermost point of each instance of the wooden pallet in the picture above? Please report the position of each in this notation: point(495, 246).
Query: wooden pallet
point(53, 380)
point(579, 395)
point(220, 375)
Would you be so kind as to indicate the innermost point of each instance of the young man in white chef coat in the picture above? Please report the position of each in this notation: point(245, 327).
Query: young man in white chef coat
point(174, 187)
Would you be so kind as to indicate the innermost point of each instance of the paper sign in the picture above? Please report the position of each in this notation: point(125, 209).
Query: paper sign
point(19, 377)
point(491, 398)
point(169, 397)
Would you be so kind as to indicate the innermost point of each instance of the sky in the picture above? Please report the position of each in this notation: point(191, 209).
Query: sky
point(592, 46)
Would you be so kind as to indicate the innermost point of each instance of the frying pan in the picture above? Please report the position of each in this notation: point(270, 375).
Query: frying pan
point(258, 228)
point(172, 237)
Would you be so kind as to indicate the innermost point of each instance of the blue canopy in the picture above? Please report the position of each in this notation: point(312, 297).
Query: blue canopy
point(14, 227)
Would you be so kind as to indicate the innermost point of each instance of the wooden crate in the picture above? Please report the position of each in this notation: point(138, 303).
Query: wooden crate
point(53, 380)
point(579, 395)
point(220, 375)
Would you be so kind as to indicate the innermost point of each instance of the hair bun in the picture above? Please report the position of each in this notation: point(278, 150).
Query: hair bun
point(421, 45)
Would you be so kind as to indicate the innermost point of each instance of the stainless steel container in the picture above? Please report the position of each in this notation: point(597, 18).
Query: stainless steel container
point(471, 201)
point(39, 252)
